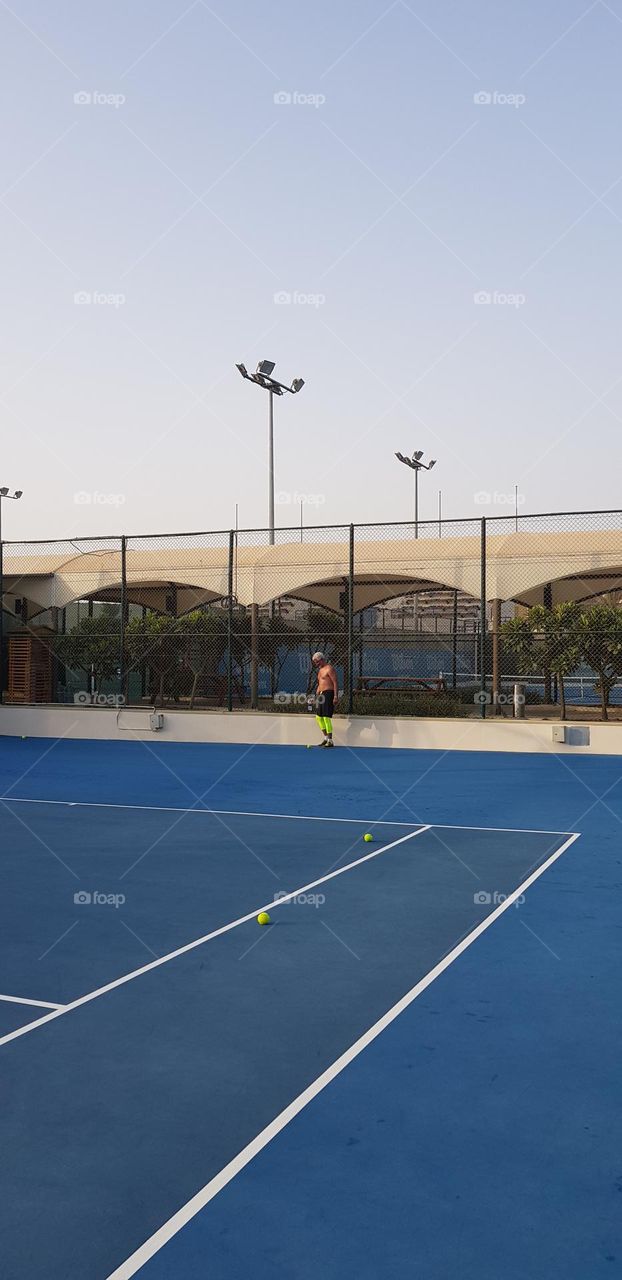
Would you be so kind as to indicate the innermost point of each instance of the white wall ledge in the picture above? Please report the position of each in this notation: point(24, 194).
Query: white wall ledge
point(102, 723)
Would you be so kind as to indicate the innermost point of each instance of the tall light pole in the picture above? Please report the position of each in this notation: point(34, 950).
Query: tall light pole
point(416, 465)
point(263, 377)
point(4, 493)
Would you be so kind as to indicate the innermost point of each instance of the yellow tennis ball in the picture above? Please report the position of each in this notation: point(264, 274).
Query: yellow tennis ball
point(367, 838)
point(263, 918)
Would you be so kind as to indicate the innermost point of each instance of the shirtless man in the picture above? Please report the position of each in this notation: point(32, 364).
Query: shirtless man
point(326, 697)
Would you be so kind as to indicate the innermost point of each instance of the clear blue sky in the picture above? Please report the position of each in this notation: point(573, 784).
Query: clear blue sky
point(381, 210)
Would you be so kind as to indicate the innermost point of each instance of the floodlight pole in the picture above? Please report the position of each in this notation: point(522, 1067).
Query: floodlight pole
point(271, 468)
point(1, 610)
point(416, 465)
point(4, 493)
point(263, 378)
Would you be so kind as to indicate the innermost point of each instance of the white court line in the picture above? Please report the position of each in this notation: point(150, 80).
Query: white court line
point(248, 1153)
point(198, 942)
point(297, 817)
point(38, 1004)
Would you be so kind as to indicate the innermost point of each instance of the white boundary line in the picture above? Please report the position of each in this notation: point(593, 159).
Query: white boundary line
point(239, 1162)
point(297, 817)
point(39, 1004)
point(198, 942)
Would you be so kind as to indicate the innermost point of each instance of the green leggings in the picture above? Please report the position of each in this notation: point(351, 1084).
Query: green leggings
point(325, 723)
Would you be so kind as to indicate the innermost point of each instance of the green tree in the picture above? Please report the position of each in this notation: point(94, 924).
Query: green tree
point(546, 640)
point(93, 646)
point(600, 633)
point(203, 645)
point(153, 641)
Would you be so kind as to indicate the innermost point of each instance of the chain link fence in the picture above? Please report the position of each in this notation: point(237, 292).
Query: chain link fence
point(443, 617)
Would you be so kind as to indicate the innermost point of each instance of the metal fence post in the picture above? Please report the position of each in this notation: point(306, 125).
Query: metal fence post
point(351, 623)
point(547, 600)
point(230, 624)
point(482, 626)
point(1, 610)
point(496, 673)
point(254, 656)
point(122, 676)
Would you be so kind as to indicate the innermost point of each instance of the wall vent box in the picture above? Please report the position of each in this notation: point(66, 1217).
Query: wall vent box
point(156, 721)
point(559, 733)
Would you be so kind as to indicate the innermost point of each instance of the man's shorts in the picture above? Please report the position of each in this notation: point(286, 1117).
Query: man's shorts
point(324, 703)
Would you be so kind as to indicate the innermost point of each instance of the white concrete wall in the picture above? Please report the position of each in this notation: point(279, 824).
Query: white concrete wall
point(361, 731)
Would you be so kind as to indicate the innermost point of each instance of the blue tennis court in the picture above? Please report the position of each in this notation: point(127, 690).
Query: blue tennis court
point(411, 1070)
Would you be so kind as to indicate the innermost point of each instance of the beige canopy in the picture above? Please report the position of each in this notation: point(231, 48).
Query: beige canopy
point(179, 574)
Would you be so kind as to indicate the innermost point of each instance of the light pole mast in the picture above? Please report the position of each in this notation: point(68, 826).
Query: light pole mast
point(271, 466)
point(263, 378)
point(416, 465)
point(4, 493)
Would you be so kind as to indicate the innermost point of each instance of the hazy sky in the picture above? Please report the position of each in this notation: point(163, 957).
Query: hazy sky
point(378, 199)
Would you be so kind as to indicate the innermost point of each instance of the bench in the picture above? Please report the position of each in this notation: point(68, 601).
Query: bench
point(400, 684)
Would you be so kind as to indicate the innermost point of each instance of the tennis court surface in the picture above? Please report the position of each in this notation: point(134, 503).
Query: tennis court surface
point(413, 1070)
